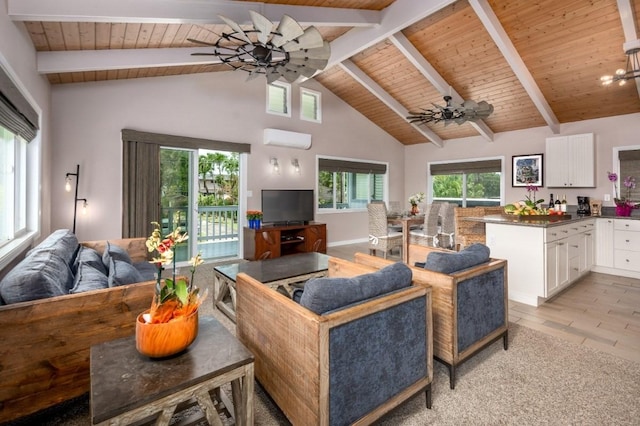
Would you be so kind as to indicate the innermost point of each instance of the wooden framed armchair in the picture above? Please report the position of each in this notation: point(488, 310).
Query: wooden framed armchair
point(346, 366)
point(470, 306)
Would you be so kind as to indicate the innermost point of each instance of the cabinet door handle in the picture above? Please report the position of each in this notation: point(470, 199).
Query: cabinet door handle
point(587, 234)
point(553, 234)
point(560, 244)
point(627, 241)
point(574, 245)
point(565, 231)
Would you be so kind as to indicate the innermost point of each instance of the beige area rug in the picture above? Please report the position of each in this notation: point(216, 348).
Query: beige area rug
point(541, 379)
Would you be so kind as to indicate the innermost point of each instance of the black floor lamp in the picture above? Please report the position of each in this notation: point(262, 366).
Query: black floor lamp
point(67, 187)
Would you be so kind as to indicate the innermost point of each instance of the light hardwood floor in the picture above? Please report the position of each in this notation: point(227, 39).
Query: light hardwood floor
point(600, 311)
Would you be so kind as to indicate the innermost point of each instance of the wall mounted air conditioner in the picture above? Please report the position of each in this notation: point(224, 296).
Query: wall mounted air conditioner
point(287, 139)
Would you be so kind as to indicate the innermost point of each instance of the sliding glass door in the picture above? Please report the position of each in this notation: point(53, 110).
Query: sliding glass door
point(199, 193)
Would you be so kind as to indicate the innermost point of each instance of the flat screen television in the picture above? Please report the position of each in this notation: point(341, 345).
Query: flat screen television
point(287, 206)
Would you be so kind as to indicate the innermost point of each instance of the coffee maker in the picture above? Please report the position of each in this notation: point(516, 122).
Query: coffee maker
point(584, 209)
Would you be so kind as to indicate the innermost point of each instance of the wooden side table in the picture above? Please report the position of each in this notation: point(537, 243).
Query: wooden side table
point(127, 387)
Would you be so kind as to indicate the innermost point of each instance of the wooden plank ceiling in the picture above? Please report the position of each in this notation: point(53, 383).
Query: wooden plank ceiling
point(537, 62)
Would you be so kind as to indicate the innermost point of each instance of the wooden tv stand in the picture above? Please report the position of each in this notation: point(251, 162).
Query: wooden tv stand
point(270, 242)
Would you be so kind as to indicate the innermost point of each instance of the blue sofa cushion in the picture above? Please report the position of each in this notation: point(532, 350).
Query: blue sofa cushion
point(122, 273)
point(321, 295)
point(88, 277)
point(63, 243)
point(147, 270)
point(112, 251)
point(91, 257)
point(450, 262)
point(43, 274)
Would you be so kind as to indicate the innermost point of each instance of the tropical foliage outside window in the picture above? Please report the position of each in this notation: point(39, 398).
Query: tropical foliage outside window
point(468, 190)
point(349, 189)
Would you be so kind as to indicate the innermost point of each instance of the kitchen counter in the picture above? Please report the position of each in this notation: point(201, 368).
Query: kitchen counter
point(540, 223)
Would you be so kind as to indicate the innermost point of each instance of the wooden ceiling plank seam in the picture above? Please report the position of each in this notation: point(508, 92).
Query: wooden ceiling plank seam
point(184, 11)
point(500, 37)
point(373, 87)
point(424, 67)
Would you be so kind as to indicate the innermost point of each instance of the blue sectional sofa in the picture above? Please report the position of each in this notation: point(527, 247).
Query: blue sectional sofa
point(61, 299)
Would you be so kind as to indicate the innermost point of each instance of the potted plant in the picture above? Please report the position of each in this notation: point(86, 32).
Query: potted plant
point(255, 218)
point(624, 205)
point(171, 323)
point(414, 200)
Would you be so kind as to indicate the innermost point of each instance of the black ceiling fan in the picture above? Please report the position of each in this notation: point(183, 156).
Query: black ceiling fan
point(288, 51)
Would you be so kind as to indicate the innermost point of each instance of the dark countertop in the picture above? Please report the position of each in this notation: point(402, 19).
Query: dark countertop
point(540, 223)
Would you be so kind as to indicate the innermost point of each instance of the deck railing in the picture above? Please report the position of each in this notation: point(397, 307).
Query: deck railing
point(214, 223)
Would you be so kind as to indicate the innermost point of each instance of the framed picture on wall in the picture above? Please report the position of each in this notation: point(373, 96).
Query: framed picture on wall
point(527, 170)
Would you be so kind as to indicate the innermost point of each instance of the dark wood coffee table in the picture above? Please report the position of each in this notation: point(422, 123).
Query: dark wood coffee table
point(281, 271)
point(127, 387)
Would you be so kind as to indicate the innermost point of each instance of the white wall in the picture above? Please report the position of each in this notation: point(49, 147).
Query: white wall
point(88, 118)
point(609, 132)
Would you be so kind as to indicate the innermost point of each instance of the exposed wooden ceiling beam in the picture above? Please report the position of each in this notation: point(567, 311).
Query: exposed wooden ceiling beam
point(373, 87)
point(430, 73)
point(625, 8)
point(399, 15)
point(104, 60)
point(511, 55)
point(183, 11)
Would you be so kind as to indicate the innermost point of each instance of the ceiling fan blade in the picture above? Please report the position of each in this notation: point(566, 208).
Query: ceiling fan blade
point(262, 25)
point(288, 74)
point(322, 53)
point(288, 29)
point(301, 69)
point(312, 63)
point(272, 75)
point(311, 39)
point(235, 27)
point(205, 43)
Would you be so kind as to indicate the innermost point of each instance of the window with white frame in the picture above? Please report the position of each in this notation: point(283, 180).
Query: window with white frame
point(18, 186)
point(310, 105)
point(345, 184)
point(467, 183)
point(279, 98)
point(13, 181)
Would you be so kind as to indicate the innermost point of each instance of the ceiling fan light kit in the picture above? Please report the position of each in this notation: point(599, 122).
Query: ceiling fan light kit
point(289, 51)
point(452, 113)
point(631, 49)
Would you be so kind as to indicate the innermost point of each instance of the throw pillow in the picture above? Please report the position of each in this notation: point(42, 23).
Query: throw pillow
point(450, 262)
point(62, 242)
point(91, 257)
point(43, 274)
point(112, 251)
point(88, 277)
point(122, 273)
point(321, 295)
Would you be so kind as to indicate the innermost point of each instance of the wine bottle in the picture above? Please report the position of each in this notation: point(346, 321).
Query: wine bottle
point(551, 205)
point(558, 205)
point(563, 205)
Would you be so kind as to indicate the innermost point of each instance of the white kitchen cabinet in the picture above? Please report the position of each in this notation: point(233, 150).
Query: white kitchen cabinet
point(570, 161)
point(542, 260)
point(604, 237)
point(626, 243)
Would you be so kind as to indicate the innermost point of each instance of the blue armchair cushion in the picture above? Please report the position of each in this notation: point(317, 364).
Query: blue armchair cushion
point(112, 251)
point(89, 277)
point(43, 274)
point(450, 262)
point(321, 295)
point(122, 273)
